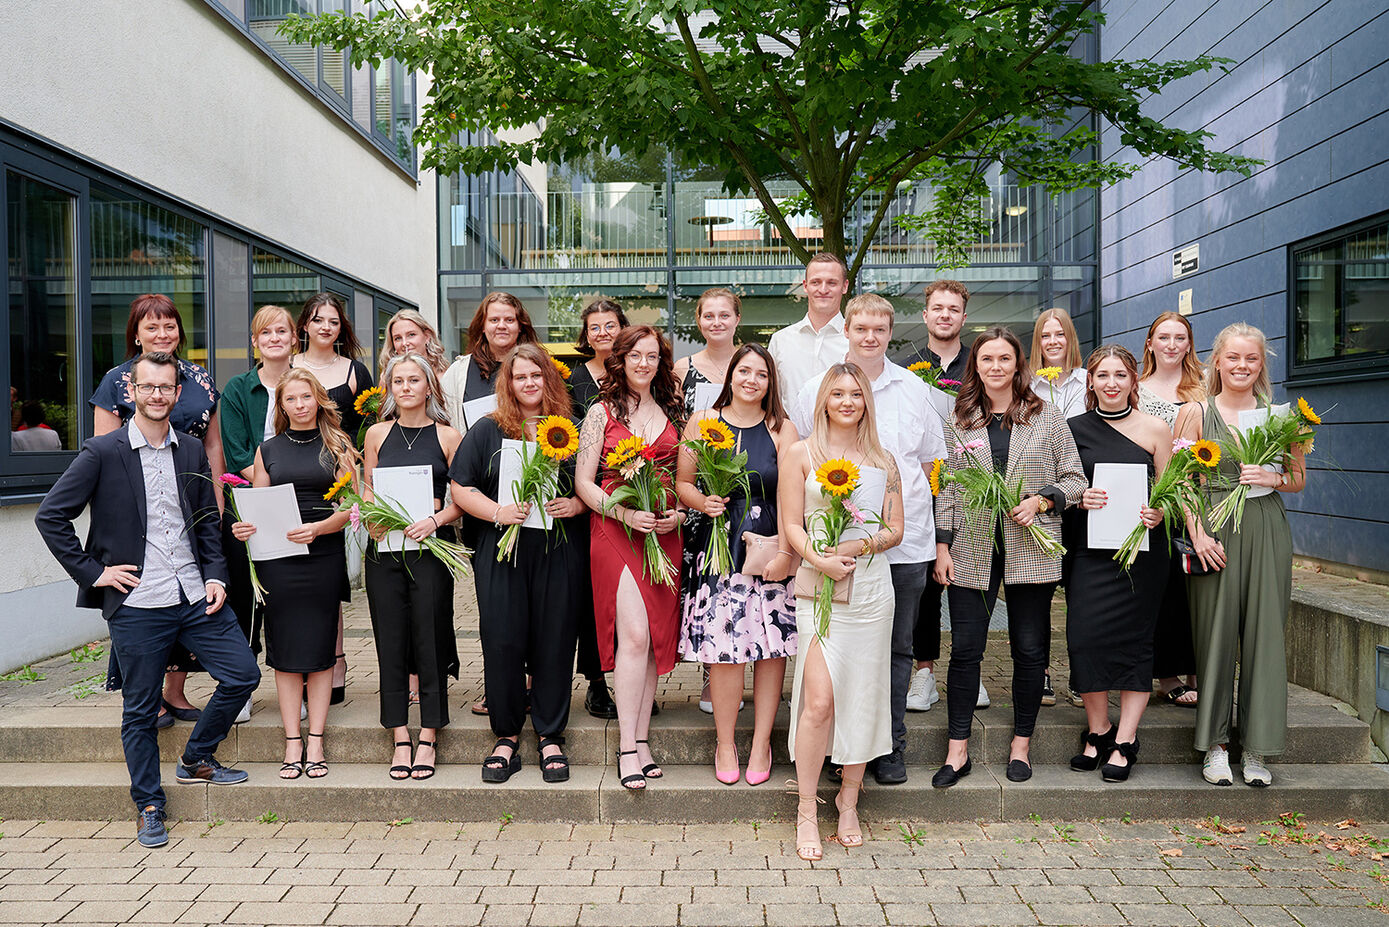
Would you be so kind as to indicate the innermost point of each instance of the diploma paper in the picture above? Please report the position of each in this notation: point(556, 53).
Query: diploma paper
point(410, 489)
point(1252, 418)
point(509, 473)
point(474, 410)
point(705, 394)
point(274, 511)
point(872, 488)
point(1126, 485)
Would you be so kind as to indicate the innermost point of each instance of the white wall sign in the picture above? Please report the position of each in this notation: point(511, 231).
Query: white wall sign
point(1186, 261)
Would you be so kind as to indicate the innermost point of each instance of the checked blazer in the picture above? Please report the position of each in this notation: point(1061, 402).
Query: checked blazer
point(1042, 453)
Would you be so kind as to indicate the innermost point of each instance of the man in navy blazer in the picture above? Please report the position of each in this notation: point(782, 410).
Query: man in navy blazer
point(153, 564)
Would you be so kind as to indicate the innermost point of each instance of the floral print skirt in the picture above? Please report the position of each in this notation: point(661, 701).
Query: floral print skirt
point(737, 619)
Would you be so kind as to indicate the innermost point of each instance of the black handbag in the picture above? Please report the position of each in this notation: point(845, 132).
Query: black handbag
point(1191, 564)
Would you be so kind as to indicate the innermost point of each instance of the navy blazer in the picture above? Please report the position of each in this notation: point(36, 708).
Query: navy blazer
point(107, 475)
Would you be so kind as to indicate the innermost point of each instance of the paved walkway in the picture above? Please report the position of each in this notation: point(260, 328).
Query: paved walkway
point(523, 873)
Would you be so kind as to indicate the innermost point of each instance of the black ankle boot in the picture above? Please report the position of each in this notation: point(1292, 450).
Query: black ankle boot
point(1103, 744)
point(1112, 773)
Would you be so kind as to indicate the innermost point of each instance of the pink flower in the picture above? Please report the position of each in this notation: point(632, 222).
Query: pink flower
point(354, 515)
point(854, 512)
point(944, 382)
point(974, 445)
point(1181, 444)
point(231, 479)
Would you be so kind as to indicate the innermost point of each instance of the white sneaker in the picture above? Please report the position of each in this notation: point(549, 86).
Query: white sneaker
point(922, 694)
point(1216, 768)
point(244, 714)
point(983, 700)
point(708, 707)
point(1255, 772)
point(303, 710)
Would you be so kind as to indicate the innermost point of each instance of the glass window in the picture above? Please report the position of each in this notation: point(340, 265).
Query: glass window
point(45, 409)
point(382, 102)
point(138, 247)
point(1341, 300)
point(771, 299)
point(264, 18)
point(278, 281)
point(231, 301)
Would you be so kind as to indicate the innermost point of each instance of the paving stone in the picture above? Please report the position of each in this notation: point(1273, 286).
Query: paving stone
point(256, 912)
point(801, 915)
point(1099, 914)
point(621, 915)
point(719, 915)
point(1157, 915)
point(982, 915)
point(105, 912)
point(371, 914)
point(460, 915)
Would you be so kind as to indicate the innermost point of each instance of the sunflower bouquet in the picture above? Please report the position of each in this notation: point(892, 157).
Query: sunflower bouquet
point(838, 478)
point(1268, 443)
point(720, 471)
point(984, 490)
point(368, 406)
point(556, 440)
point(645, 486)
point(1175, 493)
point(930, 374)
point(386, 514)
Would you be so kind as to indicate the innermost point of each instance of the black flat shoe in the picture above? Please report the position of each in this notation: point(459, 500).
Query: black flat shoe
point(1103, 744)
point(183, 714)
point(1019, 771)
point(599, 702)
point(1111, 773)
point(555, 767)
point(498, 768)
point(400, 772)
point(948, 775)
point(164, 720)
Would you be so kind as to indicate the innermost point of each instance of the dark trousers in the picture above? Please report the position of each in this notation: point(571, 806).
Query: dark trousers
point(241, 595)
point(589, 664)
point(926, 634)
point(908, 579)
point(527, 621)
point(1029, 635)
point(410, 596)
point(141, 638)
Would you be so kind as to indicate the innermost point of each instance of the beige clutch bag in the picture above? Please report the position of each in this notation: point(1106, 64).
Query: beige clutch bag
point(758, 551)
point(808, 582)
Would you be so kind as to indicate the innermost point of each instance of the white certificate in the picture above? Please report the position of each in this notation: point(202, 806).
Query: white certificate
point(274, 510)
point(705, 394)
point(872, 489)
point(509, 474)
point(474, 410)
point(1252, 418)
point(410, 489)
point(1126, 486)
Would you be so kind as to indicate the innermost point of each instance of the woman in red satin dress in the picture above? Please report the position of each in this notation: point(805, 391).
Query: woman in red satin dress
point(638, 620)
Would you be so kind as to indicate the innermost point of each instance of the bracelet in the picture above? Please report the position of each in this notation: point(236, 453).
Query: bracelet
point(786, 552)
point(497, 516)
point(436, 522)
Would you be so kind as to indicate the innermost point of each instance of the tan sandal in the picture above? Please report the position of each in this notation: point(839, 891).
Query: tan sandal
point(808, 848)
point(850, 832)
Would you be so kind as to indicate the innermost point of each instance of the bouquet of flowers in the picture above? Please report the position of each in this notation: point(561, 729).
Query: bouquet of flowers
point(984, 490)
point(930, 374)
point(1051, 375)
point(1174, 494)
point(645, 486)
point(838, 478)
point(230, 481)
point(368, 406)
point(556, 440)
point(386, 514)
point(1267, 443)
point(720, 471)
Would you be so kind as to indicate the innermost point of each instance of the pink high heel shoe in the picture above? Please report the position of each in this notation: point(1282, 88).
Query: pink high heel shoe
point(726, 776)
point(756, 777)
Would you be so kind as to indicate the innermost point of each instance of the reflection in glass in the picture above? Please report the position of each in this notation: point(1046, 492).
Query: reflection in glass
point(231, 295)
point(278, 281)
point(43, 401)
point(264, 18)
point(1343, 297)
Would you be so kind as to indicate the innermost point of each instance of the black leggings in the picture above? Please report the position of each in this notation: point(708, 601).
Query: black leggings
point(926, 634)
point(1029, 633)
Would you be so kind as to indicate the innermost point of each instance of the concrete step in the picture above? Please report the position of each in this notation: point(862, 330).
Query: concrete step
point(1318, 733)
point(690, 794)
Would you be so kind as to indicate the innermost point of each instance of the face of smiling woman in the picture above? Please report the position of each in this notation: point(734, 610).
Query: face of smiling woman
point(1112, 384)
point(750, 379)
point(158, 333)
point(845, 403)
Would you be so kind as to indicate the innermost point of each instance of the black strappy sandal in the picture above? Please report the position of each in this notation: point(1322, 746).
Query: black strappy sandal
point(296, 768)
point(630, 782)
point(553, 768)
point(404, 771)
point(312, 767)
point(426, 768)
point(647, 769)
point(498, 768)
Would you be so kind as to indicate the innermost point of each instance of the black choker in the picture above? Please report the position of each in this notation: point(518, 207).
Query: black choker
point(1113, 416)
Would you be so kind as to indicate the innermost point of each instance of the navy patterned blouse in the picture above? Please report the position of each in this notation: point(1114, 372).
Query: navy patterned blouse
point(196, 403)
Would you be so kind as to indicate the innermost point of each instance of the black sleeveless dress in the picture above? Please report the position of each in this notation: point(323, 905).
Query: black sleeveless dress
point(1110, 614)
point(345, 397)
point(303, 593)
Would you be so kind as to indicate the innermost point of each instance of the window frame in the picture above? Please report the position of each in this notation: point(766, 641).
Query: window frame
point(1334, 369)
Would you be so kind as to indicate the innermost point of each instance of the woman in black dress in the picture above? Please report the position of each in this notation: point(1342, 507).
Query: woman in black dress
point(527, 605)
point(303, 595)
point(411, 593)
point(1110, 612)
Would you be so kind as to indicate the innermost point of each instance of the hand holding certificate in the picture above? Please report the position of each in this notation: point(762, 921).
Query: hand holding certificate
point(1126, 488)
point(274, 511)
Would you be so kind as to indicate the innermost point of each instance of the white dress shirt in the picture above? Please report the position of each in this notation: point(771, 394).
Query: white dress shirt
point(169, 566)
point(1069, 391)
point(802, 354)
point(911, 431)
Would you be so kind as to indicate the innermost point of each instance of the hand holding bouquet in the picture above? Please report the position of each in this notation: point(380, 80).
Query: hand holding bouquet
point(556, 440)
point(385, 514)
point(720, 471)
point(838, 478)
point(984, 490)
point(1267, 443)
point(1174, 494)
point(229, 482)
point(646, 487)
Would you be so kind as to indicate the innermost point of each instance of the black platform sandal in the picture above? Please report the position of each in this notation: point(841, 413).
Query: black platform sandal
point(498, 768)
point(315, 769)
point(1111, 773)
point(428, 768)
point(1103, 744)
point(651, 770)
point(296, 768)
point(636, 782)
point(553, 768)
point(404, 771)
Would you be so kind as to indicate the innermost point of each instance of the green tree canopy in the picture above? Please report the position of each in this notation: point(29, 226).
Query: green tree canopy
point(844, 99)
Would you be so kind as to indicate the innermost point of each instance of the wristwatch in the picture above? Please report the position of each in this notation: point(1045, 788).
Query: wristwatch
point(1044, 505)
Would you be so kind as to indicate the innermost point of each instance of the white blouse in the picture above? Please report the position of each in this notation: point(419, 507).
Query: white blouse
point(1067, 393)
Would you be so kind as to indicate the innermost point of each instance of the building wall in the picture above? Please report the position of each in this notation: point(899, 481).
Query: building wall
point(1307, 93)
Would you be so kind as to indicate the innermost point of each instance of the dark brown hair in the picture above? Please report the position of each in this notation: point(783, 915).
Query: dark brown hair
point(771, 403)
point(158, 359)
point(618, 396)
point(554, 398)
point(478, 347)
point(150, 305)
point(972, 408)
point(1124, 357)
point(601, 304)
point(950, 286)
point(347, 344)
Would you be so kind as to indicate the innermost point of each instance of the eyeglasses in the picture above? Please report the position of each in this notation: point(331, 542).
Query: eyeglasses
point(149, 389)
point(650, 360)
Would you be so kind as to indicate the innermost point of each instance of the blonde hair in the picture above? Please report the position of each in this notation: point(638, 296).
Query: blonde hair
point(338, 449)
point(433, 349)
point(434, 404)
point(265, 317)
point(1263, 386)
point(1189, 389)
point(868, 304)
point(867, 437)
point(1072, 360)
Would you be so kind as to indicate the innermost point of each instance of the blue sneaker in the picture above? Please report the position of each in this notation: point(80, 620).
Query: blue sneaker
point(210, 771)
point(150, 829)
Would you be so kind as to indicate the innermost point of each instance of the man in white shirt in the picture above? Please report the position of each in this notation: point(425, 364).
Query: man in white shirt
point(804, 350)
point(911, 431)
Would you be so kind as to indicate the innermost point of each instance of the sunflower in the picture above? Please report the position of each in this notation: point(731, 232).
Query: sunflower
point(920, 367)
point(557, 436)
point(936, 467)
point(716, 434)
point(562, 367)
point(1207, 453)
point(333, 490)
point(1305, 408)
point(368, 396)
point(626, 449)
point(1049, 373)
point(837, 477)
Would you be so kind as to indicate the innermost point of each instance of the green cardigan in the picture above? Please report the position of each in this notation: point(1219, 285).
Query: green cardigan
point(243, 419)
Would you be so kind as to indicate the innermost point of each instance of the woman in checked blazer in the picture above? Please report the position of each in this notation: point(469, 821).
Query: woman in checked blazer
point(1013, 430)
